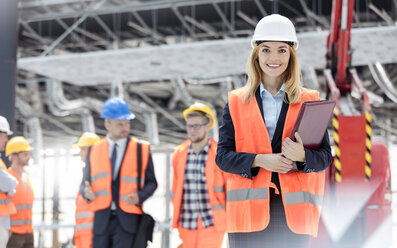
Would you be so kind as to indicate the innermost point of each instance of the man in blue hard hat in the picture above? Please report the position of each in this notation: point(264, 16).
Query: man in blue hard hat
point(110, 180)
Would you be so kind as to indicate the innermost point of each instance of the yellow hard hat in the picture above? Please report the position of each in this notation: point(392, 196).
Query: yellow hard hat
point(87, 139)
point(17, 144)
point(198, 106)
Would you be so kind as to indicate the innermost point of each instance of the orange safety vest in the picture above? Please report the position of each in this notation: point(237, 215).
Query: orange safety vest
point(215, 179)
point(21, 222)
point(101, 176)
point(84, 223)
point(6, 205)
point(247, 204)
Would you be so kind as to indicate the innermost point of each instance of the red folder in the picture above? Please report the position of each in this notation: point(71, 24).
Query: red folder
point(312, 122)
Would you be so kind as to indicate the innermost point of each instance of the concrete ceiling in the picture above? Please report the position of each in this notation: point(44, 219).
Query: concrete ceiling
point(208, 59)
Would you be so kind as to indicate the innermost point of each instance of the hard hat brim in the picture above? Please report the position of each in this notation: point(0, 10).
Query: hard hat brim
point(122, 118)
point(253, 42)
point(8, 132)
point(29, 149)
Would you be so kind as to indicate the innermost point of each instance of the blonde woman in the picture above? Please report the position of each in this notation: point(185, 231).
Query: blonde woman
point(268, 203)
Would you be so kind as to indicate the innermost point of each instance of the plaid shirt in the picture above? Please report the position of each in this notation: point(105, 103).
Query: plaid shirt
point(196, 202)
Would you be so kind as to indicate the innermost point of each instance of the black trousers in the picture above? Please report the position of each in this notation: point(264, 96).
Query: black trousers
point(114, 237)
point(21, 241)
point(276, 235)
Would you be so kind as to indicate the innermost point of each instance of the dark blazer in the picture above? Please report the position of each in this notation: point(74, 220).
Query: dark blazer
point(128, 221)
point(240, 163)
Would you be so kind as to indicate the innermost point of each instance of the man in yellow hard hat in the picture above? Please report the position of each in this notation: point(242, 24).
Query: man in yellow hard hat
point(7, 187)
point(198, 184)
point(82, 237)
point(18, 150)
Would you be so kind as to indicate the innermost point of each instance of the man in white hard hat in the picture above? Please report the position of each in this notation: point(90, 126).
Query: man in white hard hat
point(7, 187)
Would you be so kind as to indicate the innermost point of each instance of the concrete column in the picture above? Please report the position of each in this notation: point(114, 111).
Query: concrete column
point(8, 54)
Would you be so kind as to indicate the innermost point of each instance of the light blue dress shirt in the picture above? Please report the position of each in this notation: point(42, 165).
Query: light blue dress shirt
point(271, 108)
point(121, 143)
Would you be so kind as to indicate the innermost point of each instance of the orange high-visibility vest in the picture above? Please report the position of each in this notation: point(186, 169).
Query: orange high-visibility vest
point(247, 206)
point(215, 180)
point(6, 205)
point(21, 222)
point(84, 223)
point(101, 176)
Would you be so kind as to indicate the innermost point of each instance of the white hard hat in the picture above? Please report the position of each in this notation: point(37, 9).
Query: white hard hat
point(4, 126)
point(275, 28)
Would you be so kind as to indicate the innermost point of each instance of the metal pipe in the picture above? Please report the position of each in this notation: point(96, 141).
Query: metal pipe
point(380, 76)
point(60, 106)
point(150, 116)
point(34, 128)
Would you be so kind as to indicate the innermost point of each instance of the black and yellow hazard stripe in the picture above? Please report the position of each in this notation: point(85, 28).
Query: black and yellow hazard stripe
point(335, 134)
point(368, 144)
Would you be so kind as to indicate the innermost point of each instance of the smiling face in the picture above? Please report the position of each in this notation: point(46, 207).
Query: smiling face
point(273, 59)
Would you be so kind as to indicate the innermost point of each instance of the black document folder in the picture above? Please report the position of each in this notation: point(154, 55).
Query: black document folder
point(312, 122)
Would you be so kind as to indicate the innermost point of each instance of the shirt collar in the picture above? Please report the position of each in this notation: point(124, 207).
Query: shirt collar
point(119, 142)
point(205, 149)
point(264, 91)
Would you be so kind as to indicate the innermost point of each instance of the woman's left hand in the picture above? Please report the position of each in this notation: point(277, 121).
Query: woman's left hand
point(294, 150)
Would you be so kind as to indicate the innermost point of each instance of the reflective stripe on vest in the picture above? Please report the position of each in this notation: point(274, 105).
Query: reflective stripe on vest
point(85, 214)
point(6, 201)
point(246, 194)
point(218, 207)
point(102, 193)
point(23, 207)
point(21, 222)
point(132, 180)
point(84, 226)
point(251, 136)
point(303, 197)
point(99, 175)
point(219, 189)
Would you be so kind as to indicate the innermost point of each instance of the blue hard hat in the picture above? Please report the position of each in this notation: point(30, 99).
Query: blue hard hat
point(116, 108)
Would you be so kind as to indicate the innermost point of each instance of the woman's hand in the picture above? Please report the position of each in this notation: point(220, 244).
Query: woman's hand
point(294, 150)
point(275, 162)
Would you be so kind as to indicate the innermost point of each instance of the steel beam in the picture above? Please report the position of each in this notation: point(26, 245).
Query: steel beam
point(130, 7)
point(69, 30)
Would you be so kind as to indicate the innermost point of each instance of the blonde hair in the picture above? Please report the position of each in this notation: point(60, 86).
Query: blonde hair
point(291, 77)
point(198, 114)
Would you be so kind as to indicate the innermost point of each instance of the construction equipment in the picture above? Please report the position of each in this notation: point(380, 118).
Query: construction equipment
point(358, 192)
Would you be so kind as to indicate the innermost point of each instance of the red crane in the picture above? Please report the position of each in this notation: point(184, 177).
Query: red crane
point(358, 192)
